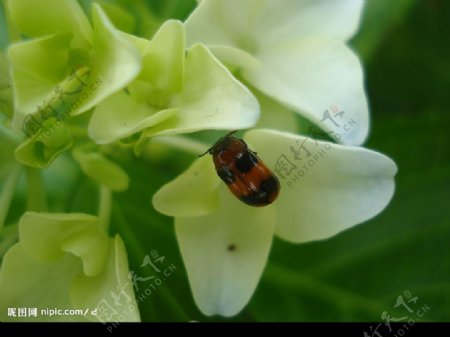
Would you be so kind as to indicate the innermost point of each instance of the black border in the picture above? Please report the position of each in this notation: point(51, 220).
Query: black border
point(229, 329)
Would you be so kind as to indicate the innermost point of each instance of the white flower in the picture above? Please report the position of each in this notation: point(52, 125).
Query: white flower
point(291, 50)
point(177, 91)
point(325, 189)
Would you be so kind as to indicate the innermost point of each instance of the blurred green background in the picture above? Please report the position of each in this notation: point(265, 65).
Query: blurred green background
point(358, 275)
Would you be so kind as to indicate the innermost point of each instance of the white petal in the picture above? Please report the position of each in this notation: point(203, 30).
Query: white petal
point(260, 23)
point(163, 60)
point(99, 292)
point(225, 253)
point(212, 98)
point(292, 50)
point(120, 116)
point(48, 17)
point(312, 77)
point(212, 21)
point(290, 20)
point(115, 62)
point(192, 193)
point(37, 66)
point(323, 193)
point(27, 283)
point(234, 58)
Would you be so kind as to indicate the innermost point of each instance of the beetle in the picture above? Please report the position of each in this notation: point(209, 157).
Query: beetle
point(246, 176)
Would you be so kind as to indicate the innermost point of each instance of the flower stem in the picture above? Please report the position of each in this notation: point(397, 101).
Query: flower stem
point(8, 237)
point(8, 192)
point(104, 208)
point(136, 253)
point(37, 200)
point(13, 32)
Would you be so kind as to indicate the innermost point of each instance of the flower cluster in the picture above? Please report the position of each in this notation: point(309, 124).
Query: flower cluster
point(81, 81)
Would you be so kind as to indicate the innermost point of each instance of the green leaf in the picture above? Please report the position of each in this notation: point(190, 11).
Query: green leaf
point(178, 9)
point(377, 20)
point(323, 291)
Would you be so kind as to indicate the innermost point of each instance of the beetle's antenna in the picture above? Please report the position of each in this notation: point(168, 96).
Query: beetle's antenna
point(207, 151)
point(231, 132)
point(212, 147)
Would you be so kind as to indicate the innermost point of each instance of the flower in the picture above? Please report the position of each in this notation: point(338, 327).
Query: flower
point(325, 189)
point(67, 261)
point(66, 68)
point(62, 41)
point(291, 50)
point(175, 92)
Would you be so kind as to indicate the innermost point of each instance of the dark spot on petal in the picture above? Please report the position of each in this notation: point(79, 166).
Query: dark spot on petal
point(231, 247)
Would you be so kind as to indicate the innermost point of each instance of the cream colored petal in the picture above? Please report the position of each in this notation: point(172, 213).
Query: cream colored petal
point(325, 188)
point(225, 253)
